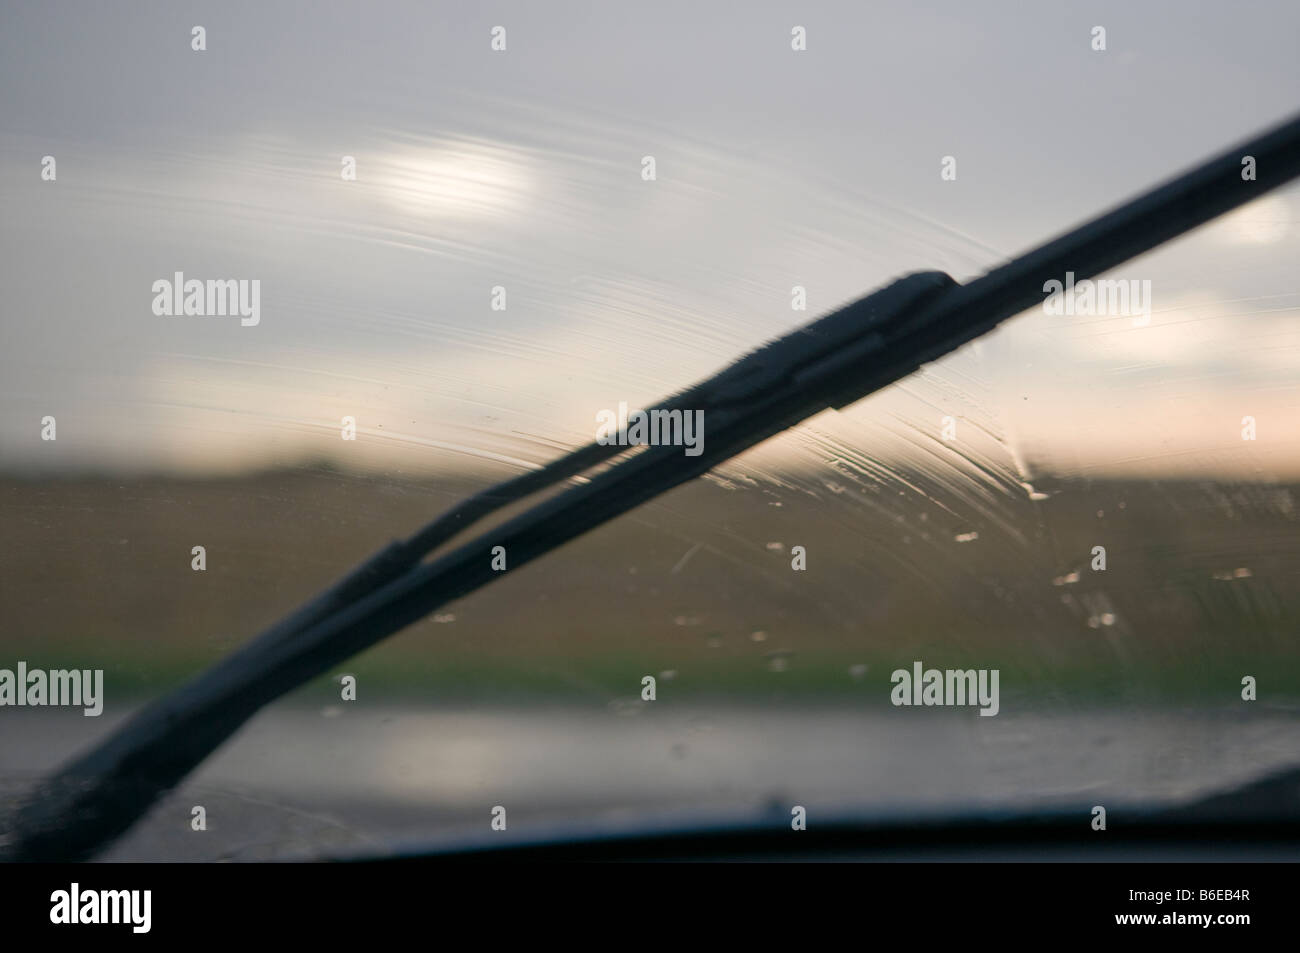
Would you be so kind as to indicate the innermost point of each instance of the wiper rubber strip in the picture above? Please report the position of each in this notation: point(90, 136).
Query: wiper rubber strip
point(831, 362)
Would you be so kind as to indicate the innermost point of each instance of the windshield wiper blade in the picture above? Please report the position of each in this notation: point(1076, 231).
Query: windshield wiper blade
point(831, 362)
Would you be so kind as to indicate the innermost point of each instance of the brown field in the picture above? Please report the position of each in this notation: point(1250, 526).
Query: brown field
point(1200, 587)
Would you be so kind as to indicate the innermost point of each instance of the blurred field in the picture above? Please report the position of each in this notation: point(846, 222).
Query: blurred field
point(1200, 588)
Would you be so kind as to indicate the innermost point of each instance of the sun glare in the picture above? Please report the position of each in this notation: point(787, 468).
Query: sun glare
point(461, 180)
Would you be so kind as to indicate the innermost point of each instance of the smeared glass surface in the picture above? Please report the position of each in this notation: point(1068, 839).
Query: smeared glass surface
point(523, 170)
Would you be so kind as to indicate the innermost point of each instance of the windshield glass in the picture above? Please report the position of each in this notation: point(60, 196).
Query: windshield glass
point(431, 255)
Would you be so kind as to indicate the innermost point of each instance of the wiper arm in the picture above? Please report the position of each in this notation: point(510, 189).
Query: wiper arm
point(831, 362)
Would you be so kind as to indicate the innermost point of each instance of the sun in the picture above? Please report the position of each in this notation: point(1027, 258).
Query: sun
point(1263, 222)
point(455, 180)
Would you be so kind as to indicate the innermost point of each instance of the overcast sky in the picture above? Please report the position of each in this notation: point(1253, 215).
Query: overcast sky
point(522, 169)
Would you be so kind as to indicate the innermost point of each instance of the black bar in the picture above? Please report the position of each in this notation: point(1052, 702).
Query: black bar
point(913, 903)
